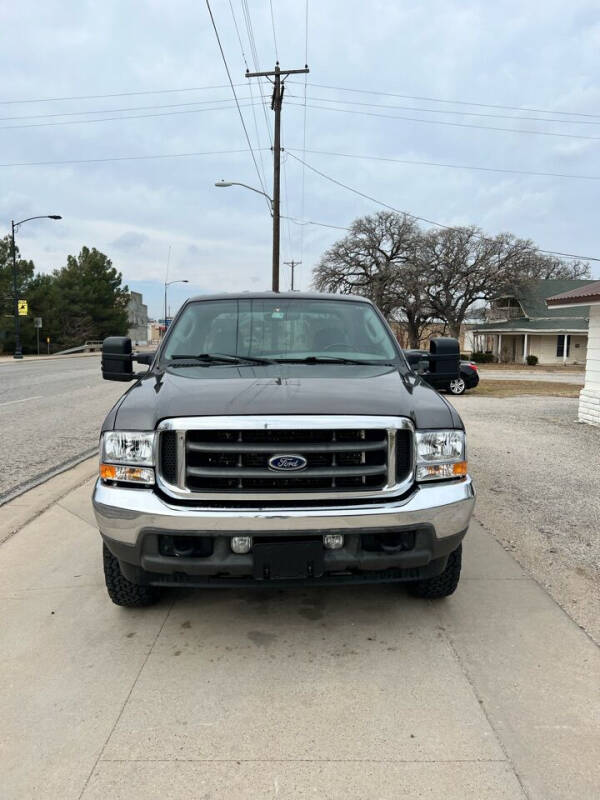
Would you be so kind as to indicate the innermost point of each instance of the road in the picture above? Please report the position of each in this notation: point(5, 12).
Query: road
point(50, 415)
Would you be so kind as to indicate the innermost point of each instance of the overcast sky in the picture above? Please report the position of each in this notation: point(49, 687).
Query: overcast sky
point(528, 55)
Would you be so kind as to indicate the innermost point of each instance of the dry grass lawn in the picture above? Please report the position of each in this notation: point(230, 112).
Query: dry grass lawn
point(537, 367)
point(500, 388)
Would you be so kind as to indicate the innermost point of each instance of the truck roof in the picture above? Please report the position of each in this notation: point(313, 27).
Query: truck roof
point(279, 295)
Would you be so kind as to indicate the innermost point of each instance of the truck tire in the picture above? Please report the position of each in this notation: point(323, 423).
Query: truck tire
point(121, 591)
point(441, 585)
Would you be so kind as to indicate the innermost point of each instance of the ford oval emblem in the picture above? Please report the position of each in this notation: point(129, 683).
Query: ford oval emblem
point(291, 463)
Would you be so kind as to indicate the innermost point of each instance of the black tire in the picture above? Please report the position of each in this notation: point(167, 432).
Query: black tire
point(121, 591)
point(441, 585)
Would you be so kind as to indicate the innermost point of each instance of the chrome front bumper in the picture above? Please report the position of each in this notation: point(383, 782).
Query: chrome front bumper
point(125, 514)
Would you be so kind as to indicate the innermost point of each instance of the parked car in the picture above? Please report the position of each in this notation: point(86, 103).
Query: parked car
point(468, 376)
point(277, 439)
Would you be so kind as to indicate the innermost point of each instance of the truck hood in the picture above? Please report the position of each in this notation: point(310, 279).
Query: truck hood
point(280, 389)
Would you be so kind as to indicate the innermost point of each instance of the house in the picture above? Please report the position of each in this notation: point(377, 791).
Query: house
point(585, 299)
point(520, 323)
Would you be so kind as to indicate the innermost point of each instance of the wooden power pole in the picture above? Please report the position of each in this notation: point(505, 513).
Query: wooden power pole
point(277, 78)
point(292, 264)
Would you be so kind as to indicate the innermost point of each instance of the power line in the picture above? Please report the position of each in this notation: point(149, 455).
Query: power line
point(119, 110)
point(302, 204)
point(455, 102)
point(245, 60)
point(449, 166)
point(274, 34)
point(452, 124)
point(123, 158)
point(457, 113)
point(212, 19)
point(116, 94)
point(425, 219)
point(113, 119)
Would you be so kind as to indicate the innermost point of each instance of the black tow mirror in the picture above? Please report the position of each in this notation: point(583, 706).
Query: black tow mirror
point(117, 359)
point(444, 358)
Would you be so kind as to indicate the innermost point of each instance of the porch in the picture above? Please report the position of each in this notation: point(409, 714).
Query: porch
point(513, 348)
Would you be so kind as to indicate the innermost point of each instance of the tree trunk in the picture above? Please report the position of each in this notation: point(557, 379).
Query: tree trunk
point(454, 329)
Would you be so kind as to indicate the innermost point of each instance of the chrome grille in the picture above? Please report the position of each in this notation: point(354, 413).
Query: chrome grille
point(238, 460)
point(228, 457)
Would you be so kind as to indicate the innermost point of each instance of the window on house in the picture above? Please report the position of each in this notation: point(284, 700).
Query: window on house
point(560, 344)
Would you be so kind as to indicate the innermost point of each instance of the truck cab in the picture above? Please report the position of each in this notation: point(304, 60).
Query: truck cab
point(278, 439)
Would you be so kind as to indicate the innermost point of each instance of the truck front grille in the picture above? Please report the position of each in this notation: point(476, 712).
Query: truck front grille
point(234, 461)
point(237, 461)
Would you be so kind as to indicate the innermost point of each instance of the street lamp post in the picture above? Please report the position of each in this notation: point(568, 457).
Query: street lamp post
point(170, 283)
point(14, 225)
point(275, 214)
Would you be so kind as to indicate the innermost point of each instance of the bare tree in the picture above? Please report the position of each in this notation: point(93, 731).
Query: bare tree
point(377, 259)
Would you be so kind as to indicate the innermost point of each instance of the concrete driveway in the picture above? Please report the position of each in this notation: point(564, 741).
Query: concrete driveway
point(328, 693)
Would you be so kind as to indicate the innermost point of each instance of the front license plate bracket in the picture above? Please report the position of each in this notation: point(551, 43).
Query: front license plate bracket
point(288, 560)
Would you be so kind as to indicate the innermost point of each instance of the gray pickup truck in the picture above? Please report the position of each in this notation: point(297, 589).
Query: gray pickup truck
point(278, 439)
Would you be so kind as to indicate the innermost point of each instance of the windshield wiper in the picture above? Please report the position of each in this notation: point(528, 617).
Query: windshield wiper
point(220, 358)
point(330, 360)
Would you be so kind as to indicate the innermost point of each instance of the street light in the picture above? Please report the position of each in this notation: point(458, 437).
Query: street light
point(275, 214)
point(170, 283)
point(18, 350)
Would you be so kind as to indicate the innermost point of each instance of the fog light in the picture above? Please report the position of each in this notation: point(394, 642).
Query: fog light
point(333, 541)
point(241, 544)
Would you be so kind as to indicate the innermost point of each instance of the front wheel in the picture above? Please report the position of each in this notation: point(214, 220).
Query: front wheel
point(458, 386)
point(121, 591)
point(441, 585)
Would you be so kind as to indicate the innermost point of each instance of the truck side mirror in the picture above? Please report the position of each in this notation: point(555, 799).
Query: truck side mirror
point(444, 358)
point(117, 359)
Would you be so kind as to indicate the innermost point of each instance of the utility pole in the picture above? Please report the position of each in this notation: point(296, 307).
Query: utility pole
point(292, 264)
point(276, 102)
point(18, 352)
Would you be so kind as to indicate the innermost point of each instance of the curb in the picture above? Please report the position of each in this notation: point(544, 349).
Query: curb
point(33, 501)
point(28, 359)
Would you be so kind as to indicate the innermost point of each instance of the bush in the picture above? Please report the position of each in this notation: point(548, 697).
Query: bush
point(483, 358)
point(532, 360)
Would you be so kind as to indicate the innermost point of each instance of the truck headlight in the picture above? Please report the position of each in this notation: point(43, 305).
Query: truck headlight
point(440, 455)
point(127, 456)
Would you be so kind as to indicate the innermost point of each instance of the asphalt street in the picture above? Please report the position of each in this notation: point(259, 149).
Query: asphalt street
point(50, 415)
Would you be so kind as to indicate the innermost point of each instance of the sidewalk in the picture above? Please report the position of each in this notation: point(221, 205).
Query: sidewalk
point(344, 693)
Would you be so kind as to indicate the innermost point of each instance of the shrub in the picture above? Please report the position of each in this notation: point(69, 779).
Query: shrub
point(483, 358)
point(532, 360)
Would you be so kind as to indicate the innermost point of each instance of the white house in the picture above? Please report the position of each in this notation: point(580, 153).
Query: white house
point(589, 295)
point(520, 323)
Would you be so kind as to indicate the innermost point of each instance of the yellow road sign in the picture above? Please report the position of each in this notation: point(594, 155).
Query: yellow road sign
point(23, 309)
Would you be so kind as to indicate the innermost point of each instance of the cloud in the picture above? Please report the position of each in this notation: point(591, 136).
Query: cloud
point(505, 53)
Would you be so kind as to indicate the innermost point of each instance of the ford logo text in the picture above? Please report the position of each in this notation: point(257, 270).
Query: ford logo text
point(286, 463)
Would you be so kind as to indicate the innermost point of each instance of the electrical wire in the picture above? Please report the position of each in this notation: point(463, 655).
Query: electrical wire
point(451, 111)
point(112, 119)
point(245, 60)
point(116, 94)
point(120, 110)
point(455, 102)
point(303, 195)
point(274, 34)
point(452, 124)
point(425, 219)
point(449, 166)
point(122, 158)
point(212, 19)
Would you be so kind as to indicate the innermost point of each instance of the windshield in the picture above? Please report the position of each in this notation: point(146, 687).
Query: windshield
point(289, 328)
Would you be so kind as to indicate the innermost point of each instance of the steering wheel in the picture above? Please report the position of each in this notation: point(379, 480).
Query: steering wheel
point(338, 346)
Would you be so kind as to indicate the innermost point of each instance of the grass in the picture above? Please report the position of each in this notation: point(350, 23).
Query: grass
point(514, 388)
point(537, 368)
